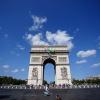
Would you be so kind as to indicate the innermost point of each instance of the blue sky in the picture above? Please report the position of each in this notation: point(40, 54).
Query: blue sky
point(28, 22)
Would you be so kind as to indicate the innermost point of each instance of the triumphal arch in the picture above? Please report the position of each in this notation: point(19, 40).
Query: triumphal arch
point(56, 55)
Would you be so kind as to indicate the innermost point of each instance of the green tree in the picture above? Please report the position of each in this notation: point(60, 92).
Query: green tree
point(10, 80)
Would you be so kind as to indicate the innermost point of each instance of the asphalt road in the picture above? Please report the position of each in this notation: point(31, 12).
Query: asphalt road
point(66, 94)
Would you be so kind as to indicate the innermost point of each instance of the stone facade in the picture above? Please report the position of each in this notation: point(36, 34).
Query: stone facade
point(41, 55)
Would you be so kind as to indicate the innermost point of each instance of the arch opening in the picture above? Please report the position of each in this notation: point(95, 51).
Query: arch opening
point(49, 71)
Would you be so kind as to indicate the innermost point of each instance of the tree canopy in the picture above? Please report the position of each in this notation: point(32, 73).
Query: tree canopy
point(11, 80)
point(86, 81)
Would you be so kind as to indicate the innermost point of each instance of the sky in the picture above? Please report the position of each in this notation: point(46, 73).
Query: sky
point(25, 23)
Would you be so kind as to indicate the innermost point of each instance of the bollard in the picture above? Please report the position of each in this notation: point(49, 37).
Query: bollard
point(87, 86)
point(80, 86)
point(84, 86)
point(8, 87)
point(74, 86)
point(16, 87)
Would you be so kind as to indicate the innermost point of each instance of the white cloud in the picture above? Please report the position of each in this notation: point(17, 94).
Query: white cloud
point(6, 66)
point(20, 47)
point(15, 70)
point(50, 38)
point(35, 39)
point(22, 70)
point(95, 65)
point(86, 53)
point(11, 69)
point(57, 38)
point(60, 38)
point(81, 61)
point(37, 22)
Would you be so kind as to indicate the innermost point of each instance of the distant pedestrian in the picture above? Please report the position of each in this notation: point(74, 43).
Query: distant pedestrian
point(58, 97)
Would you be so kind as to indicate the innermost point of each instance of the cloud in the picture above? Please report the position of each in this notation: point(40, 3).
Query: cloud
point(57, 38)
point(20, 47)
point(35, 39)
point(37, 23)
point(18, 70)
point(49, 38)
point(60, 38)
point(6, 66)
point(81, 61)
point(87, 53)
point(95, 65)
point(15, 70)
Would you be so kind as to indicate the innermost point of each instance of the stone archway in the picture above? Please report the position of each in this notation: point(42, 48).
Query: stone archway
point(40, 55)
point(51, 61)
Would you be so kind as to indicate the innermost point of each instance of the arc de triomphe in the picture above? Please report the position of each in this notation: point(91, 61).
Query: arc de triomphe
point(56, 55)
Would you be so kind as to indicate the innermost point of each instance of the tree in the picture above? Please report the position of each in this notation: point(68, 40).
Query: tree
point(86, 81)
point(10, 80)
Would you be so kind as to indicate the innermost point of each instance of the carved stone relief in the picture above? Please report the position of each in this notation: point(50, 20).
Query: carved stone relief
point(35, 73)
point(46, 57)
point(64, 73)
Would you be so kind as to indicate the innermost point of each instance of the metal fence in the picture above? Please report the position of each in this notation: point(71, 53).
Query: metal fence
point(51, 87)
